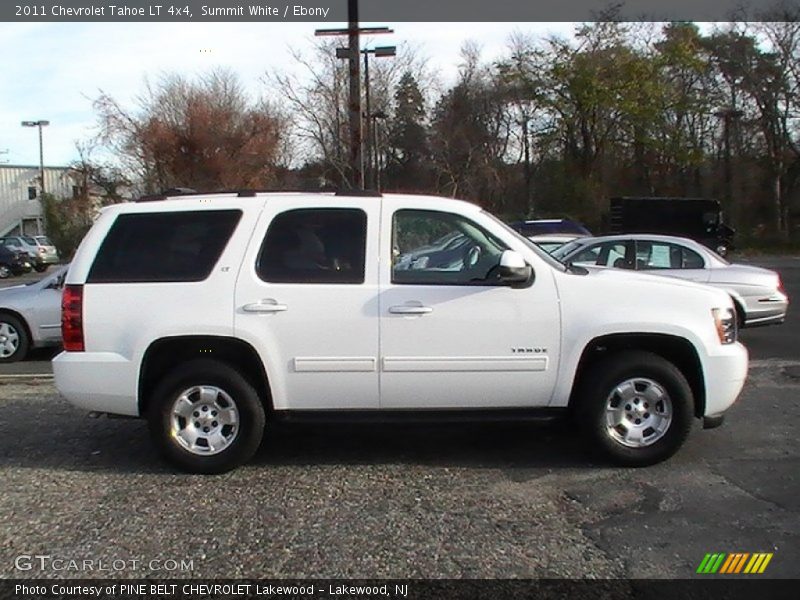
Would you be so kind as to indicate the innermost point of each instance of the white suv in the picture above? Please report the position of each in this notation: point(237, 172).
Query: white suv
point(210, 314)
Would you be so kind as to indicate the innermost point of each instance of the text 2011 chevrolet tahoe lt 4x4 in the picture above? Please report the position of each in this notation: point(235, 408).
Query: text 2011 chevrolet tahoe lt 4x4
point(209, 314)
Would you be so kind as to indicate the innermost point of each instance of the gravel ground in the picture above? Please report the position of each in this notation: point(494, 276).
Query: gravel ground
point(494, 500)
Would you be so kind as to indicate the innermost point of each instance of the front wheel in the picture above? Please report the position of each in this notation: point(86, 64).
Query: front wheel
point(14, 339)
point(41, 267)
point(5, 271)
point(205, 417)
point(636, 407)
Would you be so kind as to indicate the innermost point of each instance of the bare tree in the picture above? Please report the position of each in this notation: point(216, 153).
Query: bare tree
point(204, 134)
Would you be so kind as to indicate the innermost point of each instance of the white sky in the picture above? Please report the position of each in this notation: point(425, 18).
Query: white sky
point(53, 71)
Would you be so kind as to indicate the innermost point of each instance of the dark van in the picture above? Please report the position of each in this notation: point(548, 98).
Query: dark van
point(697, 218)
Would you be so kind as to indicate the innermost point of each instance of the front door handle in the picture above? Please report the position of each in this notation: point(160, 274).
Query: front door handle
point(268, 305)
point(406, 309)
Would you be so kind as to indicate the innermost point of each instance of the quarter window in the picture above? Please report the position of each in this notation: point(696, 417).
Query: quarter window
point(438, 248)
point(164, 246)
point(325, 245)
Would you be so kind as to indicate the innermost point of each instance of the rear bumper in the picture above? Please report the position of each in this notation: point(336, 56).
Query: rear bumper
point(97, 381)
point(725, 374)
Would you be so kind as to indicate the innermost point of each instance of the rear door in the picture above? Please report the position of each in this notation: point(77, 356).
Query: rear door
point(673, 260)
point(306, 299)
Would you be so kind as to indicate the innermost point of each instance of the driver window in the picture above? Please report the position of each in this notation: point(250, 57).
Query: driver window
point(437, 248)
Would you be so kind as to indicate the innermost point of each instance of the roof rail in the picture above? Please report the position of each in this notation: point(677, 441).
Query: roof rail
point(358, 192)
point(246, 193)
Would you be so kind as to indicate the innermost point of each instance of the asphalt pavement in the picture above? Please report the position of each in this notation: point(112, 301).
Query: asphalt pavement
point(488, 500)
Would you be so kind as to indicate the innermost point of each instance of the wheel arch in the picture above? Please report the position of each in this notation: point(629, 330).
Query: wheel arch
point(165, 353)
point(677, 350)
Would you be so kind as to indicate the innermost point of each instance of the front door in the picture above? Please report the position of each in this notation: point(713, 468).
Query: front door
point(451, 335)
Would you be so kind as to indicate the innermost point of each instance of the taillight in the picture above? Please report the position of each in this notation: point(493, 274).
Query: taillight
point(72, 318)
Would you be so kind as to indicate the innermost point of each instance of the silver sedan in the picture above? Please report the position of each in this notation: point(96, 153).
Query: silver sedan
point(757, 293)
point(30, 316)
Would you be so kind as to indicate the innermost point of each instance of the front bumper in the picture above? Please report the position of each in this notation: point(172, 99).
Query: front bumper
point(725, 374)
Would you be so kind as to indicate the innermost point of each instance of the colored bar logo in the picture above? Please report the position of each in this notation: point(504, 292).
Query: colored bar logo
point(734, 563)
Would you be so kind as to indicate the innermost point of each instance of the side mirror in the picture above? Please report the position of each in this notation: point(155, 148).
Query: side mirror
point(514, 271)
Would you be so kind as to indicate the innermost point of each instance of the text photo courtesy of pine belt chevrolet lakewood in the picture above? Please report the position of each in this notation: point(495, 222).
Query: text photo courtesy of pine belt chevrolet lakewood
point(210, 314)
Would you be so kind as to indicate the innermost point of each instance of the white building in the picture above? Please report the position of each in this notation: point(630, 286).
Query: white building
point(20, 201)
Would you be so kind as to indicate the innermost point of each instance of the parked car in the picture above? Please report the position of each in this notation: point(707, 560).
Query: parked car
point(552, 242)
point(32, 261)
point(445, 253)
point(50, 254)
point(292, 306)
point(13, 262)
point(549, 226)
point(757, 293)
point(30, 316)
point(39, 248)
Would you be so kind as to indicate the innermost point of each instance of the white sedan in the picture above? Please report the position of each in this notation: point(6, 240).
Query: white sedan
point(757, 293)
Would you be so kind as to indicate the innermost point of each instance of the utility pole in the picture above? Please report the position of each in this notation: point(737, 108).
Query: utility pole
point(728, 115)
point(354, 44)
point(352, 54)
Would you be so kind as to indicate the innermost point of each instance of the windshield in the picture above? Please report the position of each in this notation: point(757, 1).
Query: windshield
point(43, 240)
point(569, 248)
point(541, 253)
point(29, 240)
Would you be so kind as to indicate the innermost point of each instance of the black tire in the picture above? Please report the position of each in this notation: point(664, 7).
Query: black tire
point(594, 393)
point(5, 271)
point(740, 316)
point(202, 372)
point(41, 267)
point(9, 324)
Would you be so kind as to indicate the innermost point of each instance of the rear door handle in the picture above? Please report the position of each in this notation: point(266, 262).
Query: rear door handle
point(268, 305)
point(410, 310)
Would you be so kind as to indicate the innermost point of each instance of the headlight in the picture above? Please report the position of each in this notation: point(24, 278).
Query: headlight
point(725, 321)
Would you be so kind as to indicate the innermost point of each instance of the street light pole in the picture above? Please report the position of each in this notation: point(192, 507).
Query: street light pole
point(379, 51)
point(42, 190)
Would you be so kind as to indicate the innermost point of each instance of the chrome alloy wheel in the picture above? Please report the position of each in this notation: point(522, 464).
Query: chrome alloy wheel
point(204, 420)
point(9, 340)
point(638, 412)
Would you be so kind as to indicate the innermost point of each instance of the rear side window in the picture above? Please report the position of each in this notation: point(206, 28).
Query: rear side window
point(162, 247)
point(319, 245)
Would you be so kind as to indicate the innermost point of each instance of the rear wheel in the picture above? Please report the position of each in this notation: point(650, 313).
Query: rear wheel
point(5, 271)
point(636, 408)
point(205, 417)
